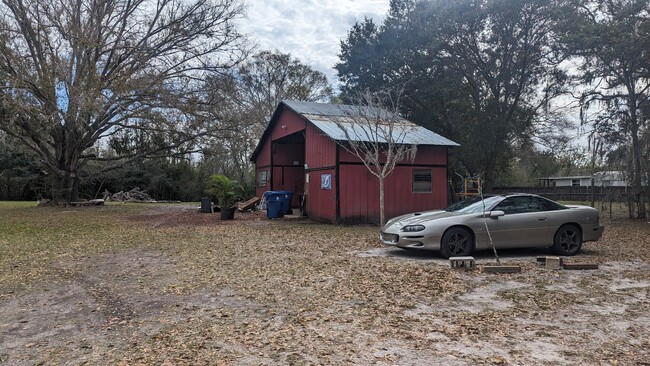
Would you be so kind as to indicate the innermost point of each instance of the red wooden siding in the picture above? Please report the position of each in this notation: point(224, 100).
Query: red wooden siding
point(263, 163)
point(359, 190)
point(289, 122)
point(321, 203)
point(360, 193)
point(320, 150)
point(320, 156)
point(431, 155)
point(264, 158)
point(426, 155)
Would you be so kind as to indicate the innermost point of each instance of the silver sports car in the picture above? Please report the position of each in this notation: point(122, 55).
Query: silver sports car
point(511, 221)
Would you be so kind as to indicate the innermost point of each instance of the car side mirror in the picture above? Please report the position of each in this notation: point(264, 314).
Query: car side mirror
point(495, 214)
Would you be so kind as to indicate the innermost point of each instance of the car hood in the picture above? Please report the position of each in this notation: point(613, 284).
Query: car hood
point(421, 217)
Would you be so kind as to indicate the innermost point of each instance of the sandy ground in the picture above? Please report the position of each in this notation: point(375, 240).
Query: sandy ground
point(153, 305)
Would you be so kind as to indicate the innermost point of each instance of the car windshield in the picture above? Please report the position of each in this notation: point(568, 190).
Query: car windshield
point(474, 204)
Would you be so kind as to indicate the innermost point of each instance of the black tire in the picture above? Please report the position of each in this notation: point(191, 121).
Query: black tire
point(457, 242)
point(567, 240)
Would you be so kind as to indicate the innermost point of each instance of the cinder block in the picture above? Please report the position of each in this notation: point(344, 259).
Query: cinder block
point(554, 262)
point(466, 263)
point(541, 260)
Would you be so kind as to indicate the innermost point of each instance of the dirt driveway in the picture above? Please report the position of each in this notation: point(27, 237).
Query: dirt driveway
point(169, 286)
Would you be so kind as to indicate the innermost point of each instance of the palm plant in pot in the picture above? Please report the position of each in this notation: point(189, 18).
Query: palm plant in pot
point(226, 193)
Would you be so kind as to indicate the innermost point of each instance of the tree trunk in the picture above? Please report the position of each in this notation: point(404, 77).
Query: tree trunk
point(647, 186)
point(8, 196)
point(637, 171)
point(382, 217)
point(67, 188)
point(68, 149)
point(637, 189)
point(490, 169)
point(637, 153)
point(593, 171)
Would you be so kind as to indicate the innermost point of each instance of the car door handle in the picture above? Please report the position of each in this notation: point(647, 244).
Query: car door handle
point(542, 218)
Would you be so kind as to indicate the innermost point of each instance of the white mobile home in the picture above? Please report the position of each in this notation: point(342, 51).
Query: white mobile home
point(610, 178)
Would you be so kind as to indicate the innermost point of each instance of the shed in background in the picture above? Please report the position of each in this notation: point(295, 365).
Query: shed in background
point(610, 178)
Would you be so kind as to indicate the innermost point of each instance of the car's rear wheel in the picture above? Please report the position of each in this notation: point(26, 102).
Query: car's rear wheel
point(567, 240)
point(456, 242)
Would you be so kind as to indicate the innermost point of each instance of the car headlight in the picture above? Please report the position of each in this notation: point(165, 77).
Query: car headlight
point(412, 228)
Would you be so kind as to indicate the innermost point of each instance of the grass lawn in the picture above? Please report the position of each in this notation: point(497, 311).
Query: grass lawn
point(164, 284)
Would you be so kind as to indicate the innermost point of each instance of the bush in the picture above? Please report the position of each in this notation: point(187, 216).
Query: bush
point(226, 192)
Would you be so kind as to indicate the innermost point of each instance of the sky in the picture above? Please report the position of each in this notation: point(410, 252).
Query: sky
point(310, 30)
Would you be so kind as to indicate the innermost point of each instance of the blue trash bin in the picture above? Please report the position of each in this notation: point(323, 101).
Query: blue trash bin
point(286, 199)
point(274, 210)
point(274, 204)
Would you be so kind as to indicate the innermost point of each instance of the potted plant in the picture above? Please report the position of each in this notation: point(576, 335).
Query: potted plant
point(225, 191)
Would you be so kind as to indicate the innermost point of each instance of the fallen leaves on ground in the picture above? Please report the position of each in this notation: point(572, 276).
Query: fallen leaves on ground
point(167, 285)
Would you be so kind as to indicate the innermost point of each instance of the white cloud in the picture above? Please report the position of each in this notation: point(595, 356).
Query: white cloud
point(311, 30)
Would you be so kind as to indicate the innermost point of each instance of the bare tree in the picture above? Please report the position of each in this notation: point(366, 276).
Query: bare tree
point(252, 91)
point(376, 134)
point(248, 95)
point(76, 72)
point(269, 77)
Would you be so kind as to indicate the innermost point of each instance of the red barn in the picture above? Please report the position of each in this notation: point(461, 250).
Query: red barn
point(300, 152)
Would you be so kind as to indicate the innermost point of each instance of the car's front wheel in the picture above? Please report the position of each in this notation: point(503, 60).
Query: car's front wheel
point(567, 240)
point(457, 242)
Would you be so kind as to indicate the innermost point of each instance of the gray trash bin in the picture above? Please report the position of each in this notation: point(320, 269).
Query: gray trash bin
point(206, 205)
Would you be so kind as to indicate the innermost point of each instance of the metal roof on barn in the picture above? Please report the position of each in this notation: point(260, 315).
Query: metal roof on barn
point(340, 122)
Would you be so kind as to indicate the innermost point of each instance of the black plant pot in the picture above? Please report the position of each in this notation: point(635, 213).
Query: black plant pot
point(228, 213)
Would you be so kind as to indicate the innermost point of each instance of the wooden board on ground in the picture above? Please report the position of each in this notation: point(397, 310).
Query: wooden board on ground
point(580, 266)
point(243, 206)
point(502, 269)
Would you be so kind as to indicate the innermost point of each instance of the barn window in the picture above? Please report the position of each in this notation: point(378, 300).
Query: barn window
point(575, 182)
point(421, 180)
point(262, 178)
